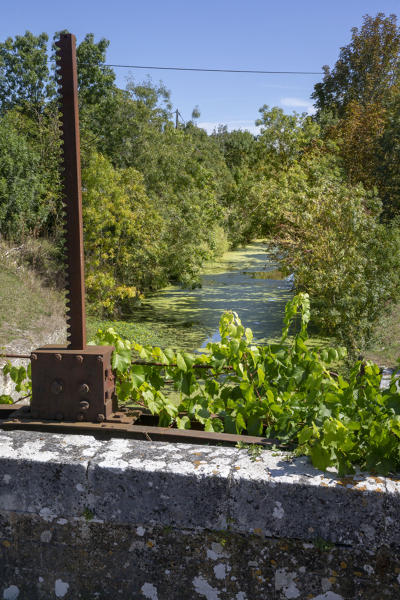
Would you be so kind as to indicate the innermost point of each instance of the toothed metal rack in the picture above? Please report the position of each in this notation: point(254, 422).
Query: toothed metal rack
point(75, 382)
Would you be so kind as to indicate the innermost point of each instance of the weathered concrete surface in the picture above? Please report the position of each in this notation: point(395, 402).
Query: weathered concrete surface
point(82, 518)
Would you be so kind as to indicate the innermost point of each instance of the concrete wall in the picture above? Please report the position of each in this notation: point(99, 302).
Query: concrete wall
point(82, 518)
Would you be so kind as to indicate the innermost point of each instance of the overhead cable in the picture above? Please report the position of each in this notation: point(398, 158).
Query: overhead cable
point(254, 71)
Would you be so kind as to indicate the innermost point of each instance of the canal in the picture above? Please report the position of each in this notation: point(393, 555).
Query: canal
point(243, 280)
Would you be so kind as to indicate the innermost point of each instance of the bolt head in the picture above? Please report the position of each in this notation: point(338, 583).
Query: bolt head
point(100, 358)
point(100, 418)
point(79, 358)
point(83, 405)
point(33, 356)
point(58, 356)
point(56, 387)
point(84, 388)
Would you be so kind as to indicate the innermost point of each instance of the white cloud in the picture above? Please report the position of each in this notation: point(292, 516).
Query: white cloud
point(298, 103)
point(236, 124)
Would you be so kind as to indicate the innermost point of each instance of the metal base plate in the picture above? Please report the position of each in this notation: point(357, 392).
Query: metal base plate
point(121, 424)
point(73, 385)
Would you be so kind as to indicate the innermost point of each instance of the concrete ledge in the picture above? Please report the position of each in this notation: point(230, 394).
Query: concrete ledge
point(83, 518)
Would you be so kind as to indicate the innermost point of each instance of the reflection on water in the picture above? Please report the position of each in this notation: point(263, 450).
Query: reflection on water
point(226, 285)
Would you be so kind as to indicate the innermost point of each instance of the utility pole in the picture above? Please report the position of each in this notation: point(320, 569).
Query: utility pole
point(176, 118)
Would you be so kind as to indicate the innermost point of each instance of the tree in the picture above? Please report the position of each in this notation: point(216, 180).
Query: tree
point(387, 169)
point(283, 138)
point(23, 209)
point(121, 231)
point(238, 146)
point(358, 135)
point(367, 70)
point(329, 235)
point(24, 74)
point(95, 80)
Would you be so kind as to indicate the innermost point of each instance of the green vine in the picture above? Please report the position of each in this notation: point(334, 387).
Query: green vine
point(284, 390)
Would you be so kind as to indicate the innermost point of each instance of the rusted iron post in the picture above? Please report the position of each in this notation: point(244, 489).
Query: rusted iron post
point(76, 382)
point(72, 196)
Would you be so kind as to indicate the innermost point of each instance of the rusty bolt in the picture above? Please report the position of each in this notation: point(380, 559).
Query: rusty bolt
point(100, 358)
point(100, 418)
point(84, 388)
point(80, 417)
point(56, 387)
point(79, 358)
point(33, 356)
point(59, 417)
point(84, 405)
point(58, 356)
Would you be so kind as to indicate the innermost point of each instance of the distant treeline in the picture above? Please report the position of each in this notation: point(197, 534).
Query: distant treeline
point(160, 200)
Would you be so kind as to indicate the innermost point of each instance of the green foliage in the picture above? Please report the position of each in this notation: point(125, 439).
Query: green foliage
point(121, 229)
point(24, 75)
point(284, 138)
point(253, 450)
point(21, 377)
point(329, 235)
point(367, 68)
point(95, 80)
point(283, 390)
point(23, 210)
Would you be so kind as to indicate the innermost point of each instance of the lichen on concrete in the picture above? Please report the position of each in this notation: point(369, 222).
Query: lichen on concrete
point(82, 518)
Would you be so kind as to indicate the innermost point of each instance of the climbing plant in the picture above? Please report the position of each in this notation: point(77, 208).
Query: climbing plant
point(284, 390)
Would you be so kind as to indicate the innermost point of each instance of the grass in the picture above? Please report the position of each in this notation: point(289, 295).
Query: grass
point(25, 304)
point(384, 347)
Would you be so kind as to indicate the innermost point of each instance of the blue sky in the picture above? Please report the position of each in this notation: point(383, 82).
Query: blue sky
point(233, 34)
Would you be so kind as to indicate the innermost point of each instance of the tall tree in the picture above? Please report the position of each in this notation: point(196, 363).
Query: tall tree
point(24, 73)
point(367, 69)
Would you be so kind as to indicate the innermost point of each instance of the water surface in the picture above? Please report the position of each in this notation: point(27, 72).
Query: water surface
point(233, 283)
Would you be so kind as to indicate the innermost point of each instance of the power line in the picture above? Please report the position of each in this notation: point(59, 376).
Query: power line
point(254, 71)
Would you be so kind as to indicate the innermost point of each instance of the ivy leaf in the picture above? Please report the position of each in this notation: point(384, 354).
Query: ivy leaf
point(170, 355)
point(189, 359)
point(121, 360)
point(254, 425)
point(5, 399)
point(183, 423)
point(320, 457)
point(138, 375)
point(181, 364)
point(305, 435)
